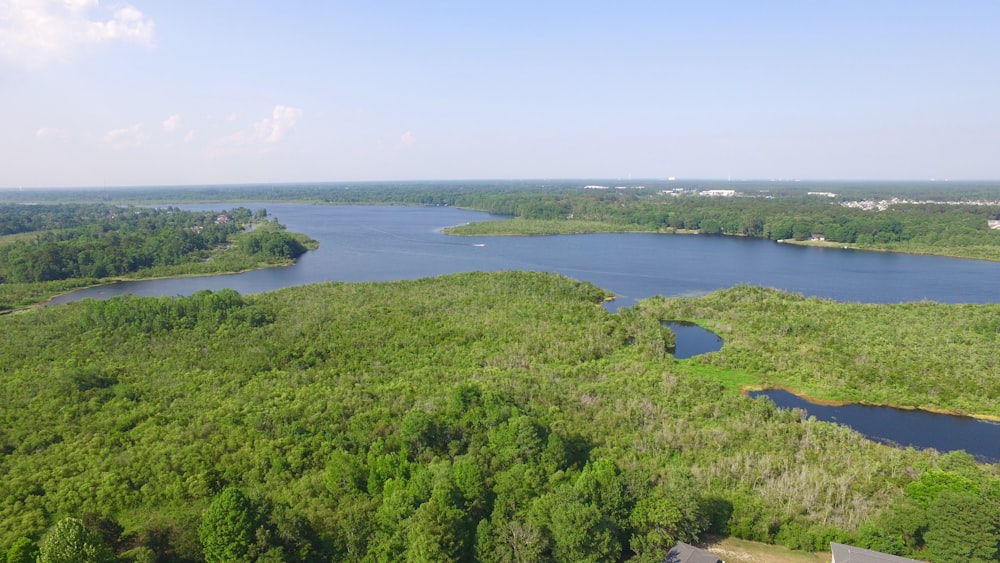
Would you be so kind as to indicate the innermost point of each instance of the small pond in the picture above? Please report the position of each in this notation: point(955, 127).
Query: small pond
point(901, 427)
point(692, 340)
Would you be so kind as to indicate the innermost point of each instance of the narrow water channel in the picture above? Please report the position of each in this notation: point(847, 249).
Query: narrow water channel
point(901, 427)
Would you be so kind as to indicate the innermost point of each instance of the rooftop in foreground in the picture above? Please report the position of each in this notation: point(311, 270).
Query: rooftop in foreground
point(850, 554)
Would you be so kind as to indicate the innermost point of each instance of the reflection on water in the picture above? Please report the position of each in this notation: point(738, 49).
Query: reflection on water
point(378, 243)
point(692, 340)
point(920, 429)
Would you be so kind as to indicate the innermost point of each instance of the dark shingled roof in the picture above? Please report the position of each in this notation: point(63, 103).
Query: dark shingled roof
point(684, 553)
point(850, 554)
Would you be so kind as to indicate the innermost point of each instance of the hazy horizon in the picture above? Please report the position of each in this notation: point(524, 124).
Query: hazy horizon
point(611, 183)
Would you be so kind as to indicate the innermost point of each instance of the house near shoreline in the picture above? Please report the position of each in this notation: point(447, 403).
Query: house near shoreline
point(685, 553)
point(850, 554)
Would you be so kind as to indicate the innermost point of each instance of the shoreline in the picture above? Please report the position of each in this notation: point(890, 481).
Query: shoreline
point(852, 246)
point(672, 231)
point(112, 281)
point(746, 390)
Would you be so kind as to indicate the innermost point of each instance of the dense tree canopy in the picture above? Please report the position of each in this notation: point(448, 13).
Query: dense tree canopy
point(101, 241)
point(492, 417)
point(60, 247)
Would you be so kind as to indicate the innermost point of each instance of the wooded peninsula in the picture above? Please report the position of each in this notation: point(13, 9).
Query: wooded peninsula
point(52, 248)
point(478, 416)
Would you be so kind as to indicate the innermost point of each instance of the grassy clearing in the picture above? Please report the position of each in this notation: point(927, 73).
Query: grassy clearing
point(729, 378)
point(733, 550)
point(29, 236)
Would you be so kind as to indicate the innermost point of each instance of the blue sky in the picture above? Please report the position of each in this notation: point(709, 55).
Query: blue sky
point(179, 92)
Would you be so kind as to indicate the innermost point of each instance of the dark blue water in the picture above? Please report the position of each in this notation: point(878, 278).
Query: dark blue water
point(390, 243)
point(693, 340)
point(919, 429)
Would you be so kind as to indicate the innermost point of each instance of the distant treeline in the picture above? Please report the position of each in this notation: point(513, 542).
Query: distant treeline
point(432, 192)
point(100, 241)
point(774, 219)
point(768, 210)
point(22, 218)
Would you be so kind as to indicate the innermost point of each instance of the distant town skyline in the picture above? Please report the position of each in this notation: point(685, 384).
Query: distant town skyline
point(176, 93)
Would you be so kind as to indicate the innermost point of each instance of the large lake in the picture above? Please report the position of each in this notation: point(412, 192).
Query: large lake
point(392, 243)
point(366, 243)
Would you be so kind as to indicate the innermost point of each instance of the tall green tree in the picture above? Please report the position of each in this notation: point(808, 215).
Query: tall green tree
point(579, 531)
point(437, 532)
point(23, 550)
point(657, 522)
point(70, 541)
point(229, 527)
point(962, 527)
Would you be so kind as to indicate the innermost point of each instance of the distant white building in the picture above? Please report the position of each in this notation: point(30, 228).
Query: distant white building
point(718, 193)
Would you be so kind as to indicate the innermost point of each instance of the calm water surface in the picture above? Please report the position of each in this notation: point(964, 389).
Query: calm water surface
point(391, 243)
point(919, 429)
point(693, 340)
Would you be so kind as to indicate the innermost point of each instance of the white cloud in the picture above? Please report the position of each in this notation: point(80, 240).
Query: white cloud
point(191, 136)
point(128, 24)
point(35, 33)
point(273, 129)
point(56, 133)
point(406, 140)
point(263, 136)
point(172, 123)
point(127, 137)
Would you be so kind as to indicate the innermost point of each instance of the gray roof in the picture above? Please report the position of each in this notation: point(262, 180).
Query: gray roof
point(850, 554)
point(684, 553)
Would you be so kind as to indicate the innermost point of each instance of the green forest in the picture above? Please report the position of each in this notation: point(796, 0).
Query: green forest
point(473, 417)
point(481, 416)
point(926, 228)
point(48, 249)
point(928, 218)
